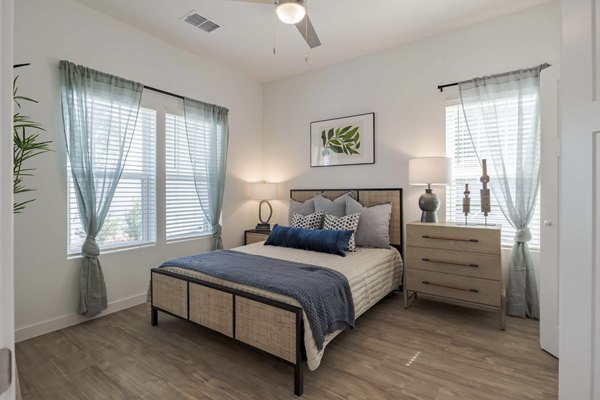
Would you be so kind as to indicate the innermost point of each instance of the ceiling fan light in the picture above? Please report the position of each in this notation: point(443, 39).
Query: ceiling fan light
point(290, 12)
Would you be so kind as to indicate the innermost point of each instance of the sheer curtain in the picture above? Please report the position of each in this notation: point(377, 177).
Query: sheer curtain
point(99, 116)
point(491, 106)
point(207, 130)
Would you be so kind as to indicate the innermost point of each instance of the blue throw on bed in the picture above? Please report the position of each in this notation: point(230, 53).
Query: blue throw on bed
point(323, 293)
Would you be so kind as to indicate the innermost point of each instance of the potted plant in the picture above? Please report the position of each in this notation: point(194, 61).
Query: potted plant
point(26, 145)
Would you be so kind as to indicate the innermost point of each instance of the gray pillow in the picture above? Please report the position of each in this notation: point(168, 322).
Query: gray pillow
point(374, 224)
point(336, 207)
point(308, 207)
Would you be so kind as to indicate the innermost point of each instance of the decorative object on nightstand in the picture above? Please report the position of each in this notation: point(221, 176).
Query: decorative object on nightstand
point(467, 203)
point(485, 191)
point(455, 264)
point(264, 192)
point(429, 171)
point(255, 236)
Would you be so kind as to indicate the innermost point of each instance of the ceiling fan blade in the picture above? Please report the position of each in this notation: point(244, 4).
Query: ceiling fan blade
point(307, 30)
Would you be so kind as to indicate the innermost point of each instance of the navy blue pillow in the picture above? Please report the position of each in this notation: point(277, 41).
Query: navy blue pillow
point(332, 242)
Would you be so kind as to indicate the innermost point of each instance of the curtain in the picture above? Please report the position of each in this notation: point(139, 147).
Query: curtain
point(502, 114)
point(99, 116)
point(207, 131)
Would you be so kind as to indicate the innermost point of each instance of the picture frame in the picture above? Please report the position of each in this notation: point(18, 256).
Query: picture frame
point(343, 141)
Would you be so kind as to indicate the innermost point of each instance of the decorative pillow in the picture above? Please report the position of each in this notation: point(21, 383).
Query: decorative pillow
point(336, 207)
point(308, 207)
point(312, 221)
point(347, 223)
point(332, 242)
point(374, 224)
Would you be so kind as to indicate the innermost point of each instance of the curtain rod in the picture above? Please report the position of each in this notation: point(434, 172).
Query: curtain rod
point(145, 86)
point(441, 87)
point(164, 92)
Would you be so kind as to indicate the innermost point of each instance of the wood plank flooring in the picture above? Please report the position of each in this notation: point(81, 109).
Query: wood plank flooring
point(430, 351)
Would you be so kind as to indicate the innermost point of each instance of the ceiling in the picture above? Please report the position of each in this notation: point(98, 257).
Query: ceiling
point(347, 28)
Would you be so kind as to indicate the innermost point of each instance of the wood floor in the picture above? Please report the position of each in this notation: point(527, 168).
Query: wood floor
point(430, 351)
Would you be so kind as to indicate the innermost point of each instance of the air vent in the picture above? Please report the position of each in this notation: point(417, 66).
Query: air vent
point(193, 18)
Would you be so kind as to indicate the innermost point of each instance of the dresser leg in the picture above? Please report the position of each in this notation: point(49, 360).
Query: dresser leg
point(503, 310)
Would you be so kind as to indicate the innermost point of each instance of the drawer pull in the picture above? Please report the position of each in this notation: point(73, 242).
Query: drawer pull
point(451, 263)
point(450, 238)
point(450, 287)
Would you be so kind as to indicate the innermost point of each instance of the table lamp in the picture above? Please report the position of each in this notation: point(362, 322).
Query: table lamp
point(263, 192)
point(429, 171)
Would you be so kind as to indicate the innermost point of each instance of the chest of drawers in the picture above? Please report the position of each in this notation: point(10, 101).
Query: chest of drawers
point(456, 264)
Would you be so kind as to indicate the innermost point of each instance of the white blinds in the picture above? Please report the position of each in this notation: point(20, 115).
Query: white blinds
point(131, 219)
point(184, 216)
point(466, 169)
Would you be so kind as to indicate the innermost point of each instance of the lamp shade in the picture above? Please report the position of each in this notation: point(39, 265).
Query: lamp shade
point(263, 191)
point(291, 11)
point(430, 171)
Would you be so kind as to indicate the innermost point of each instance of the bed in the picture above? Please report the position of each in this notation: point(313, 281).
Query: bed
point(271, 322)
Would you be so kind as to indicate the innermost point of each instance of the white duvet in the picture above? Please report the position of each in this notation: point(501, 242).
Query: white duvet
point(372, 274)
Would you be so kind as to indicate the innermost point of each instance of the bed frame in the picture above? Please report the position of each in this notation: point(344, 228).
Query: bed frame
point(271, 326)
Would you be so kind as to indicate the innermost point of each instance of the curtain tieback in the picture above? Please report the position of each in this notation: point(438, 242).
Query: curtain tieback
point(523, 235)
point(90, 248)
point(216, 231)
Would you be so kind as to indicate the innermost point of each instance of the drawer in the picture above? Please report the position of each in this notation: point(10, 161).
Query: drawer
point(479, 240)
point(211, 308)
point(478, 265)
point(475, 290)
point(256, 237)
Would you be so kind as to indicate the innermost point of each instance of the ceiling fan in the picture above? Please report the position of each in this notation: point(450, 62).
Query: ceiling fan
point(293, 12)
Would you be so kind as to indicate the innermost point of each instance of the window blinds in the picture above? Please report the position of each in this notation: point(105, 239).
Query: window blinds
point(131, 219)
point(184, 215)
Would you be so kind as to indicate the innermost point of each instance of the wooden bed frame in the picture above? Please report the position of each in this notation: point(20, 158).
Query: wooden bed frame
point(268, 325)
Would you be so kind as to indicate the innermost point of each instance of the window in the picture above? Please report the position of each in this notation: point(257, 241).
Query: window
point(131, 219)
point(184, 215)
point(466, 169)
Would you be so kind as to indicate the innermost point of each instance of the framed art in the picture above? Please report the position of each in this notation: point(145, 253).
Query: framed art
point(343, 141)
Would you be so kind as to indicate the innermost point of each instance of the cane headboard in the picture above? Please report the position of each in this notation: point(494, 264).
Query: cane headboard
point(368, 198)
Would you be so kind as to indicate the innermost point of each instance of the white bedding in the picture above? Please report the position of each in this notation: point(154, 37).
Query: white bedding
point(372, 274)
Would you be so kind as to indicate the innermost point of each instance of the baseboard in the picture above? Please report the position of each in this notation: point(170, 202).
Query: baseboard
point(54, 324)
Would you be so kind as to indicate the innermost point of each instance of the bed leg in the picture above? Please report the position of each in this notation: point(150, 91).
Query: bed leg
point(298, 380)
point(153, 316)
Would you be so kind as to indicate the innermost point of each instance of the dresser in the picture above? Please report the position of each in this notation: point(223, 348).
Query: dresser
point(457, 264)
point(255, 236)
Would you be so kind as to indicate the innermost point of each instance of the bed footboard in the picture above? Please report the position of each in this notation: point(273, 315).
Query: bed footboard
point(268, 325)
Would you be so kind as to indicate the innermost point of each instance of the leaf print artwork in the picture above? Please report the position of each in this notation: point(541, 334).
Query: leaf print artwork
point(344, 140)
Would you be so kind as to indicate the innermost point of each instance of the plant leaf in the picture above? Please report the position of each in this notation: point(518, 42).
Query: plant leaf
point(336, 149)
point(330, 134)
point(323, 138)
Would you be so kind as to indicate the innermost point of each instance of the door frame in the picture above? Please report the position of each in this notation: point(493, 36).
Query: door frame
point(7, 335)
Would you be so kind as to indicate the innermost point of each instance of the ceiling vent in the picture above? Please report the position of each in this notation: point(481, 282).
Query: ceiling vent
point(193, 18)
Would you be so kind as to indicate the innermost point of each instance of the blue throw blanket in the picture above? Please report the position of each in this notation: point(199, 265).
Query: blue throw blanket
point(323, 293)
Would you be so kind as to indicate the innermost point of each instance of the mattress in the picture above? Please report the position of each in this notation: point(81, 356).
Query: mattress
point(372, 274)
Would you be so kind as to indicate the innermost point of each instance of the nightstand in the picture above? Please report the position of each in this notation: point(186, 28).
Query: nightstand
point(254, 236)
point(455, 263)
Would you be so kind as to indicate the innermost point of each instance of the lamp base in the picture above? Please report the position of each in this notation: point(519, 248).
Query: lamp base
point(429, 203)
point(263, 227)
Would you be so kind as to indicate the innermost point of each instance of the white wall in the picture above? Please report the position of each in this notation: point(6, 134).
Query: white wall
point(399, 85)
point(46, 284)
